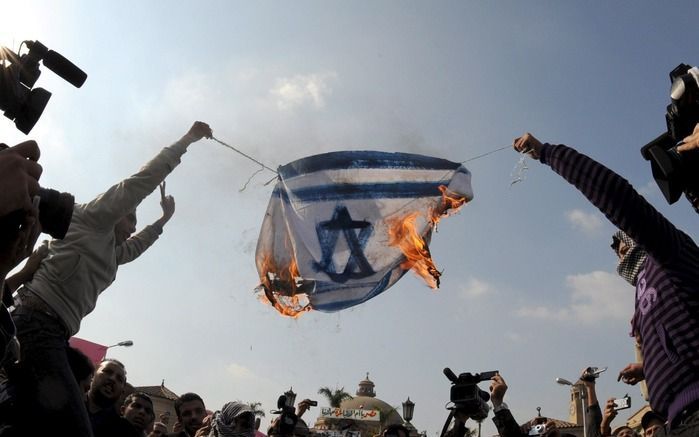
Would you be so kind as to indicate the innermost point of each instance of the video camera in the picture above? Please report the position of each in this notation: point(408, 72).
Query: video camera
point(18, 74)
point(467, 397)
point(676, 172)
point(24, 105)
point(287, 420)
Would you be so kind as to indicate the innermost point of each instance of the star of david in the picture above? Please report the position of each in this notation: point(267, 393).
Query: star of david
point(356, 235)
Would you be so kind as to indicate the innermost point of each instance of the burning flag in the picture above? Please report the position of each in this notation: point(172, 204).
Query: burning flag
point(342, 227)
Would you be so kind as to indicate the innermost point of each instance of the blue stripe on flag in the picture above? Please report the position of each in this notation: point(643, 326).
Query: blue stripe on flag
point(340, 305)
point(364, 160)
point(395, 190)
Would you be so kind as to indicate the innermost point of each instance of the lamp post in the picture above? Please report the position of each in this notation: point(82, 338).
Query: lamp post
point(408, 409)
point(583, 396)
point(125, 343)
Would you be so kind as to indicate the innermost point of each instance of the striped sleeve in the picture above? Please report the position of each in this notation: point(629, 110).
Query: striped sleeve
point(617, 200)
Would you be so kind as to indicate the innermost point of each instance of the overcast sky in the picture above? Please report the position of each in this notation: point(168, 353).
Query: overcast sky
point(529, 285)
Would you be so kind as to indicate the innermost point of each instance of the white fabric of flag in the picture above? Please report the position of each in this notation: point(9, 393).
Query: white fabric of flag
point(329, 237)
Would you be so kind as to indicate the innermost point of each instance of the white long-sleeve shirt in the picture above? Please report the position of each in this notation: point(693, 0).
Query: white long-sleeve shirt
point(83, 264)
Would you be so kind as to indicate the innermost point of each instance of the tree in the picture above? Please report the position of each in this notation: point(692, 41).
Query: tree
point(334, 397)
point(256, 410)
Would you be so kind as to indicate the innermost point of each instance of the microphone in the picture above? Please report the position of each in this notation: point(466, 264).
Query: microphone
point(70, 72)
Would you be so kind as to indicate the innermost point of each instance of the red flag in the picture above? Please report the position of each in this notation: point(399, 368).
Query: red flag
point(95, 352)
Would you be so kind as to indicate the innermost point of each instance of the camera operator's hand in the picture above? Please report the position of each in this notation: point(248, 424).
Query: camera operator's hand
point(497, 390)
point(691, 142)
point(167, 203)
point(19, 177)
point(528, 144)
point(206, 426)
point(632, 374)
point(14, 248)
point(198, 131)
point(303, 406)
point(608, 416)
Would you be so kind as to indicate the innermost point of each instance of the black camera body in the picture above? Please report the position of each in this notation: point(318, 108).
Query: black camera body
point(467, 397)
point(55, 213)
point(676, 173)
point(286, 422)
point(18, 74)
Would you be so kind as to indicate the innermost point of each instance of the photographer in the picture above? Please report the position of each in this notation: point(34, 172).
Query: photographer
point(665, 317)
point(607, 417)
point(68, 282)
point(504, 420)
point(691, 143)
point(19, 183)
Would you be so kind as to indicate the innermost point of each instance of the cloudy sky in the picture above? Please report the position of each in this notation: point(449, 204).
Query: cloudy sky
point(529, 285)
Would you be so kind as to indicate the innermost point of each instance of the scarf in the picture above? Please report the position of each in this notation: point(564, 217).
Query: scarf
point(223, 422)
point(631, 263)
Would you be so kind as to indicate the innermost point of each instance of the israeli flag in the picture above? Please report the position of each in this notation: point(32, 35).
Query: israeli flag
point(326, 230)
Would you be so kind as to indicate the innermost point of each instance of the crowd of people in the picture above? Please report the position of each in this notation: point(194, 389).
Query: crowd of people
point(49, 388)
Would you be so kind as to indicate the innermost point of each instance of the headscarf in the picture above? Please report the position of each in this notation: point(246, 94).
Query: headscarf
point(222, 424)
point(631, 263)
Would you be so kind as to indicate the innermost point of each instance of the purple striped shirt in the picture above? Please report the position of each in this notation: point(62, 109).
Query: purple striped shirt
point(666, 313)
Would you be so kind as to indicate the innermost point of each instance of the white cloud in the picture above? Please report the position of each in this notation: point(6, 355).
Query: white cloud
point(240, 372)
point(300, 90)
point(475, 288)
point(594, 297)
point(600, 295)
point(589, 223)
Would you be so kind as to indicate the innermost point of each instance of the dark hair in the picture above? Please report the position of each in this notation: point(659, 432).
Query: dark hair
point(187, 397)
point(115, 361)
point(79, 363)
point(137, 394)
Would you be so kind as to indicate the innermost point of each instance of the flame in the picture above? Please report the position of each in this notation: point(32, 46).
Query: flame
point(281, 287)
point(451, 203)
point(403, 233)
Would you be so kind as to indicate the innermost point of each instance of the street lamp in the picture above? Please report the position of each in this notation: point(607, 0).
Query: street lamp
point(290, 397)
point(408, 409)
point(125, 343)
point(581, 391)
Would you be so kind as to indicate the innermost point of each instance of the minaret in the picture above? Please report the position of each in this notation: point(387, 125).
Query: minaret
point(576, 404)
point(366, 388)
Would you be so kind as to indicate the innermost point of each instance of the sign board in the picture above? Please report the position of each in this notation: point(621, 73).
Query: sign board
point(339, 413)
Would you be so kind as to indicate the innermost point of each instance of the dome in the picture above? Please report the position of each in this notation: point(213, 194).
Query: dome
point(366, 400)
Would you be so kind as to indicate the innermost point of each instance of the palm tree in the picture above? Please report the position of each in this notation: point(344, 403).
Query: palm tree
point(256, 410)
point(334, 397)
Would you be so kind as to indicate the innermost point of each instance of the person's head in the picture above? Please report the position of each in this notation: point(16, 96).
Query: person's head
point(652, 423)
point(235, 418)
point(125, 227)
point(82, 368)
point(631, 256)
point(395, 430)
point(159, 430)
point(624, 431)
point(108, 383)
point(190, 411)
point(138, 410)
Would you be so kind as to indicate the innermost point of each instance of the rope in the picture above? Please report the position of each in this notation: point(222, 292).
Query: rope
point(244, 154)
point(485, 154)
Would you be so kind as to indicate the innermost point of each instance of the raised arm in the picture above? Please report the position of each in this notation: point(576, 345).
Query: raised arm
point(108, 208)
point(612, 195)
point(137, 244)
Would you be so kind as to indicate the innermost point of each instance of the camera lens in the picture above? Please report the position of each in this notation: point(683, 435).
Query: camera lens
point(55, 212)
